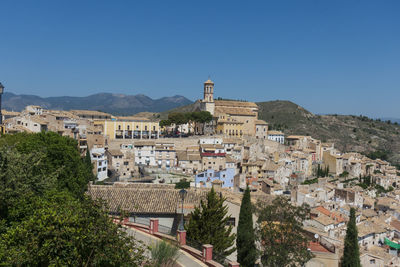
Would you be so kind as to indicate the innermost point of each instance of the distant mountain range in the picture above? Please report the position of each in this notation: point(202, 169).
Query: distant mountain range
point(116, 104)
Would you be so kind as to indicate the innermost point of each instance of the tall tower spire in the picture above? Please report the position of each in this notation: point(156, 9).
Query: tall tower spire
point(208, 91)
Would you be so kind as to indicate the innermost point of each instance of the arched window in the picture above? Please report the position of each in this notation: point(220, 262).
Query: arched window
point(128, 128)
point(119, 127)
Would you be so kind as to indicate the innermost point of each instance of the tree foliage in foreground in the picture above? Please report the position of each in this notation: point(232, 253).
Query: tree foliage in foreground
point(280, 233)
point(351, 253)
point(208, 225)
point(179, 118)
point(245, 240)
point(45, 217)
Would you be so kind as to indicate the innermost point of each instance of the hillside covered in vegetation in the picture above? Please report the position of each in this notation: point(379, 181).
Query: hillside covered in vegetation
point(374, 138)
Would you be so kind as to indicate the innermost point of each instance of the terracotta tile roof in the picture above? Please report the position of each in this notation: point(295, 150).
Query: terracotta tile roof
point(324, 220)
point(316, 247)
point(131, 118)
point(229, 159)
point(230, 140)
point(261, 122)
point(333, 215)
point(158, 200)
point(235, 104)
point(396, 224)
point(144, 143)
point(368, 227)
point(211, 146)
point(9, 113)
point(115, 152)
point(234, 111)
point(275, 132)
point(89, 113)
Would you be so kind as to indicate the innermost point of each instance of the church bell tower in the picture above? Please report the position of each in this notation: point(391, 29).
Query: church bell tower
point(208, 91)
point(207, 103)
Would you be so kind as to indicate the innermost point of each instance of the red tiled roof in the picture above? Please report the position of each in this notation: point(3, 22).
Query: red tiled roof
point(330, 214)
point(317, 247)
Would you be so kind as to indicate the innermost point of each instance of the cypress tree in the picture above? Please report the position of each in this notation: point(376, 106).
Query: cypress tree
point(245, 241)
point(351, 253)
point(89, 166)
point(208, 225)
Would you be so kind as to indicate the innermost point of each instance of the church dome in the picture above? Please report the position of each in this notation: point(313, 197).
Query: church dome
point(208, 82)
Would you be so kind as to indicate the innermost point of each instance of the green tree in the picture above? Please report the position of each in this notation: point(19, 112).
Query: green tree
point(281, 235)
point(208, 225)
point(245, 240)
point(65, 231)
point(89, 165)
point(60, 157)
point(45, 216)
point(164, 123)
point(351, 253)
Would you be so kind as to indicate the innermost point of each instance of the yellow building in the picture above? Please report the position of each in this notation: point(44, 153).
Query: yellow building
point(129, 128)
point(231, 128)
point(245, 113)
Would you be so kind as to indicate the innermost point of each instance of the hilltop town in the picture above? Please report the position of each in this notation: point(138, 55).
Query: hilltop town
point(143, 160)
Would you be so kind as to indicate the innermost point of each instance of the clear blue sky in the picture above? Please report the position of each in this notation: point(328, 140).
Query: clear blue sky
point(328, 56)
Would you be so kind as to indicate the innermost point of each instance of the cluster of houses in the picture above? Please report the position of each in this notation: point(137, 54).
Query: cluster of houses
point(235, 151)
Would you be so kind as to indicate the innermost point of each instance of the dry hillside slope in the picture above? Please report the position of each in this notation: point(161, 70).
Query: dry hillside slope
point(349, 133)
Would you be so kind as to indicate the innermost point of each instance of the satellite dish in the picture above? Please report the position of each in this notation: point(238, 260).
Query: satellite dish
point(316, 236)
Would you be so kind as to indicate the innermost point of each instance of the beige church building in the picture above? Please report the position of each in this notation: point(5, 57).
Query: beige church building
point(232, 118)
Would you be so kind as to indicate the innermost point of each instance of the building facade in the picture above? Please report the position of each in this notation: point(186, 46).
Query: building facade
point(129, 128)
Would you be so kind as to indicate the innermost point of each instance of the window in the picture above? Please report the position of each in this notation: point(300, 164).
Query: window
point(119, 127)
point(99, 170)
point(372, 261)
point(126, 163)
point(128, 128)
point(104, 169)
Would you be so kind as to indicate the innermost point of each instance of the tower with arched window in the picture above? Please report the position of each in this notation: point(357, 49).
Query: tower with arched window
point(208, 98)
